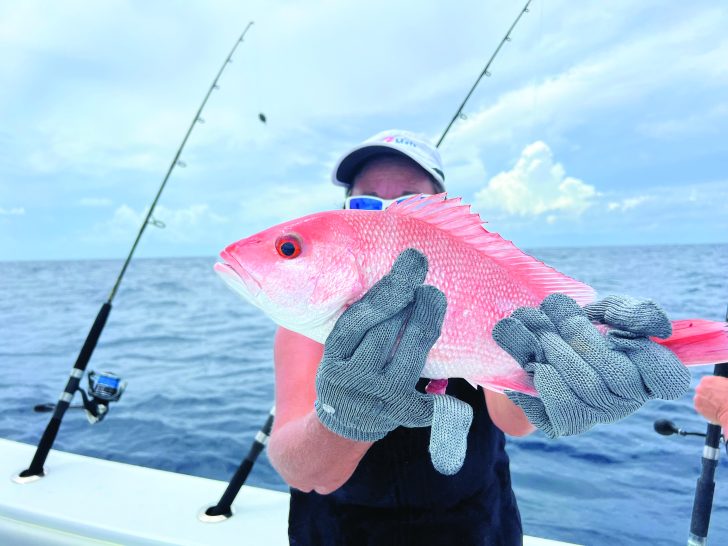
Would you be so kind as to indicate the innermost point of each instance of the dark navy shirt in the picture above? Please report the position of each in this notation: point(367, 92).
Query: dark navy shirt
point(396, 497)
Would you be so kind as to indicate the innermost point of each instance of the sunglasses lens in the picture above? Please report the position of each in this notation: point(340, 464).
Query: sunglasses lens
point(365, 203)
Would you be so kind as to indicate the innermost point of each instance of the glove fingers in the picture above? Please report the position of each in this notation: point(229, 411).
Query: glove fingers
point(512, 336)
point(451, 421)
point(420, 333)
point(380, 345)
point(544, 335)
point(386, 298)
point(639, 317)
point(534, 319)
point(583, 357)
point(557, 354)
point(663, 374)
point(411, 265)
point(559, 307)
point(573, 414)
point(574, 373)
point(573, 325)
point(620, 376)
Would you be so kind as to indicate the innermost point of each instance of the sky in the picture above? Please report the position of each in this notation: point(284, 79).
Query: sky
point(601, 123)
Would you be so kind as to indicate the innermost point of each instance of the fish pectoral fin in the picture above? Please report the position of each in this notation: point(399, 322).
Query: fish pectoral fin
point(519, 383)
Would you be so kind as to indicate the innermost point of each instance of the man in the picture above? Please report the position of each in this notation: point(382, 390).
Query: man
point(711, 400)
point(355, 449)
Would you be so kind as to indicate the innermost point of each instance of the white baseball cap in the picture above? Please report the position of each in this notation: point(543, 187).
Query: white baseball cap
point(392, 141)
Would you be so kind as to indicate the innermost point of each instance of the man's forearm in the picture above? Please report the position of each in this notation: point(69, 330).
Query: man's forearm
point(310, 457)
point(506, 415)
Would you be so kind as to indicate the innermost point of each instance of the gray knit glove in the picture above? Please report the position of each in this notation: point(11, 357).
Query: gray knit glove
point(582, 377)
point(365, 384)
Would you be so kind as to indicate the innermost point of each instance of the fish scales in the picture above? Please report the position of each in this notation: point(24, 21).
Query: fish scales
point(479, 293)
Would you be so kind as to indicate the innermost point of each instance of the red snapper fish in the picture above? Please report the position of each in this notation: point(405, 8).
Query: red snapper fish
point(304, 273)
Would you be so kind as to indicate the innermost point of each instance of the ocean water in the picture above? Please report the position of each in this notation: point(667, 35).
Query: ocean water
point(199, 365)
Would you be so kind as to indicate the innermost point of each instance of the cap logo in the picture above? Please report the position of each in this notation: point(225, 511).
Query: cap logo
point(400, 140)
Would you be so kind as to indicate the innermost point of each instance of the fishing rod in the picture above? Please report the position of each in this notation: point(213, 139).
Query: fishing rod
point(705, 486)
point(223, 509)
point(485, 72)
point(109, 389)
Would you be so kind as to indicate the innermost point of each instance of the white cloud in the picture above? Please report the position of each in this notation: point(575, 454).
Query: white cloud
point(604, 81)
point(627, 203)
point(301, 66)
point(95, 202)
point(536, 185)
point(15, 211)
point(180, 225)
point(202, 227)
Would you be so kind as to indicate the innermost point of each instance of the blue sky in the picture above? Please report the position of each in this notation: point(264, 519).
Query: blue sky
point(599, 126)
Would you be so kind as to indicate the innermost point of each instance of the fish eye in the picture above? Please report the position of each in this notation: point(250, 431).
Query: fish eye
point(288, 246)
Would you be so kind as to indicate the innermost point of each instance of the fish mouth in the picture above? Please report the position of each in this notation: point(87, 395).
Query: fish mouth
point(238, 277)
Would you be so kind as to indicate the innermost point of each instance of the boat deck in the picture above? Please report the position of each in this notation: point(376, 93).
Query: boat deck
point(83, 500)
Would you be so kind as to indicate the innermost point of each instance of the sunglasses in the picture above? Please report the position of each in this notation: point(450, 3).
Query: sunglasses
point(371, 202)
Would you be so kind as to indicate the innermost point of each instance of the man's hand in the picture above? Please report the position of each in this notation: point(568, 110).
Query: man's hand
point(373, 358)
point(711, 400)
point(584, 378)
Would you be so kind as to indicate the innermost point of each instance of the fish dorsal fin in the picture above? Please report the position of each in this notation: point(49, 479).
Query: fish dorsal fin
point(455, 218)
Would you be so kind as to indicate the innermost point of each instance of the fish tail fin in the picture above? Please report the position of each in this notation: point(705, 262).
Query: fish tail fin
point(697, 341)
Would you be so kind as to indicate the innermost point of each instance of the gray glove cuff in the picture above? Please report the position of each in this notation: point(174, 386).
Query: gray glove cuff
point(361, 431)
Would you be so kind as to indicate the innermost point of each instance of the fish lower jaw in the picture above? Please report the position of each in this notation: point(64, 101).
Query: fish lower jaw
point(247, 277)
point(247, 287)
